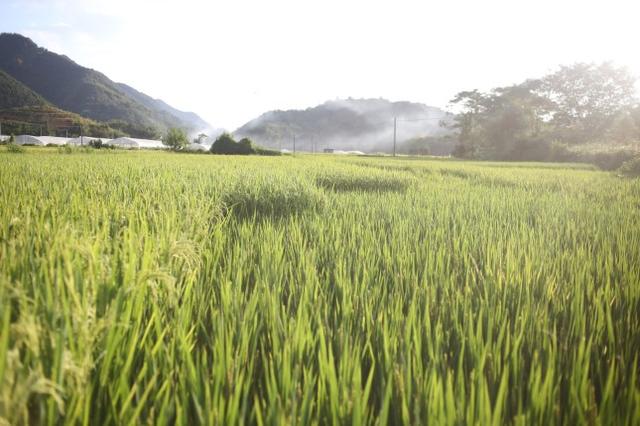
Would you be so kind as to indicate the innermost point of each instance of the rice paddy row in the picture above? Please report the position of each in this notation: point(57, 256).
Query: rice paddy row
point(149, 287)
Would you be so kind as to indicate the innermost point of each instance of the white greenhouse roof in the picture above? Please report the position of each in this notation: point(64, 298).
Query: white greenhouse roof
point(40, 140)
point(84, 140)
point(125, 142)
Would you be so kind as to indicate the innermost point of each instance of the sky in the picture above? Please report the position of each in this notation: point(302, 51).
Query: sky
point(230, 61)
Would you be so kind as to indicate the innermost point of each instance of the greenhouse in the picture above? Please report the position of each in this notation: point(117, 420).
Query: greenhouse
point(86, 140)
point(132, 143)
point(40, 140)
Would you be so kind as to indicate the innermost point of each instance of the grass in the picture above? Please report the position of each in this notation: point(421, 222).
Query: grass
point(13, 148)
point(147, 287)
point(258, 195)
point(342, 177)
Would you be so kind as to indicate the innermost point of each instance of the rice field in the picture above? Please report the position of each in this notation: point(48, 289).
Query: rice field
point(150, 287)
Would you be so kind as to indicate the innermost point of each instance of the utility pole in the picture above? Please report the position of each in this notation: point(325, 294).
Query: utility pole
point(294, 144)
point(395, 122)
point(81, 138)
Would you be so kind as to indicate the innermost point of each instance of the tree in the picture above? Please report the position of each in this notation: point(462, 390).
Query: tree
point(624, 129)
point(635, 114)
point(226, 145)
point(472, 104)
point(176, 139)
point(201, 138)
point(577, 104)
point(585, 98)
point(499, 123)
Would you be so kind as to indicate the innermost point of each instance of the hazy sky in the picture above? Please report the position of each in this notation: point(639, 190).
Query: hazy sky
point(229, 61)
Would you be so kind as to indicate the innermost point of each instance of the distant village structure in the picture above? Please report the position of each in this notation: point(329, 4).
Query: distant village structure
point(40, 140)
point(123, 142)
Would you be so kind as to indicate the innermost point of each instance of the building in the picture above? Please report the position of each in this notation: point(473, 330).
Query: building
point(41, 140)
point(132, 143)
point(86, 140)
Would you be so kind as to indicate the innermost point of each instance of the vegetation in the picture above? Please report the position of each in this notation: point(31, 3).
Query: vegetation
point(49, 120)
point(81, 90)
point(539, 119)
point(15, 94)
point(631, 168)
point(135, 130)
point(342, 124)
point(165, 113)
point(428, 145)
point(99, 144)
point(200, 139)
point(226, 145)
point(13, 148)
point(176, 139)
point(147, 287)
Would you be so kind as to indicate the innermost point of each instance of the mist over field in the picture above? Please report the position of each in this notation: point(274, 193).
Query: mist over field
point(346, 124)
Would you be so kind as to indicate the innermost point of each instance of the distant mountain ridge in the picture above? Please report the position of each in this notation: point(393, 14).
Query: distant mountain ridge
point(347, 124)
point(87, 92)
point(169, 113)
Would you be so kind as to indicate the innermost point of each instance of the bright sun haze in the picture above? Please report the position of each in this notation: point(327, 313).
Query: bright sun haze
point(230, 61)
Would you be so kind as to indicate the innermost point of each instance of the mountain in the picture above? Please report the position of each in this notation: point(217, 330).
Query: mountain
point(170, 113)
point(346, 124)
point(24, 111)
point(15, 94)
point(49, 120)
point(87, 92)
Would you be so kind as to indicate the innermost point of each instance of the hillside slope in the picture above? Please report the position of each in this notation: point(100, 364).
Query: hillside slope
point(169, 113)
point(15, 94)
point(49, 120)
point(84, 91)
point(349, 124)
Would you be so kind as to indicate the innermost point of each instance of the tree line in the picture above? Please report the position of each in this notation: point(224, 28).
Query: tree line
point(177, 140)
point(549, 118)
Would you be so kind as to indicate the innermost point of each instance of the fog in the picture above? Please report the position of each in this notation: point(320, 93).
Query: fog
point(232, 61)
point(346, 124)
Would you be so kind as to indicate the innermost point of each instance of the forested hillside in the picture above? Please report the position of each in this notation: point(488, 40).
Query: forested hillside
point(87, 92)
point(356, 124)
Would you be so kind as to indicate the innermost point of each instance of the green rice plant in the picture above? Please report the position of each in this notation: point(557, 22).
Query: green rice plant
point(630, 168)
point(151, 287)
point(351, 179)
point(14, 148)
point(270, 195)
